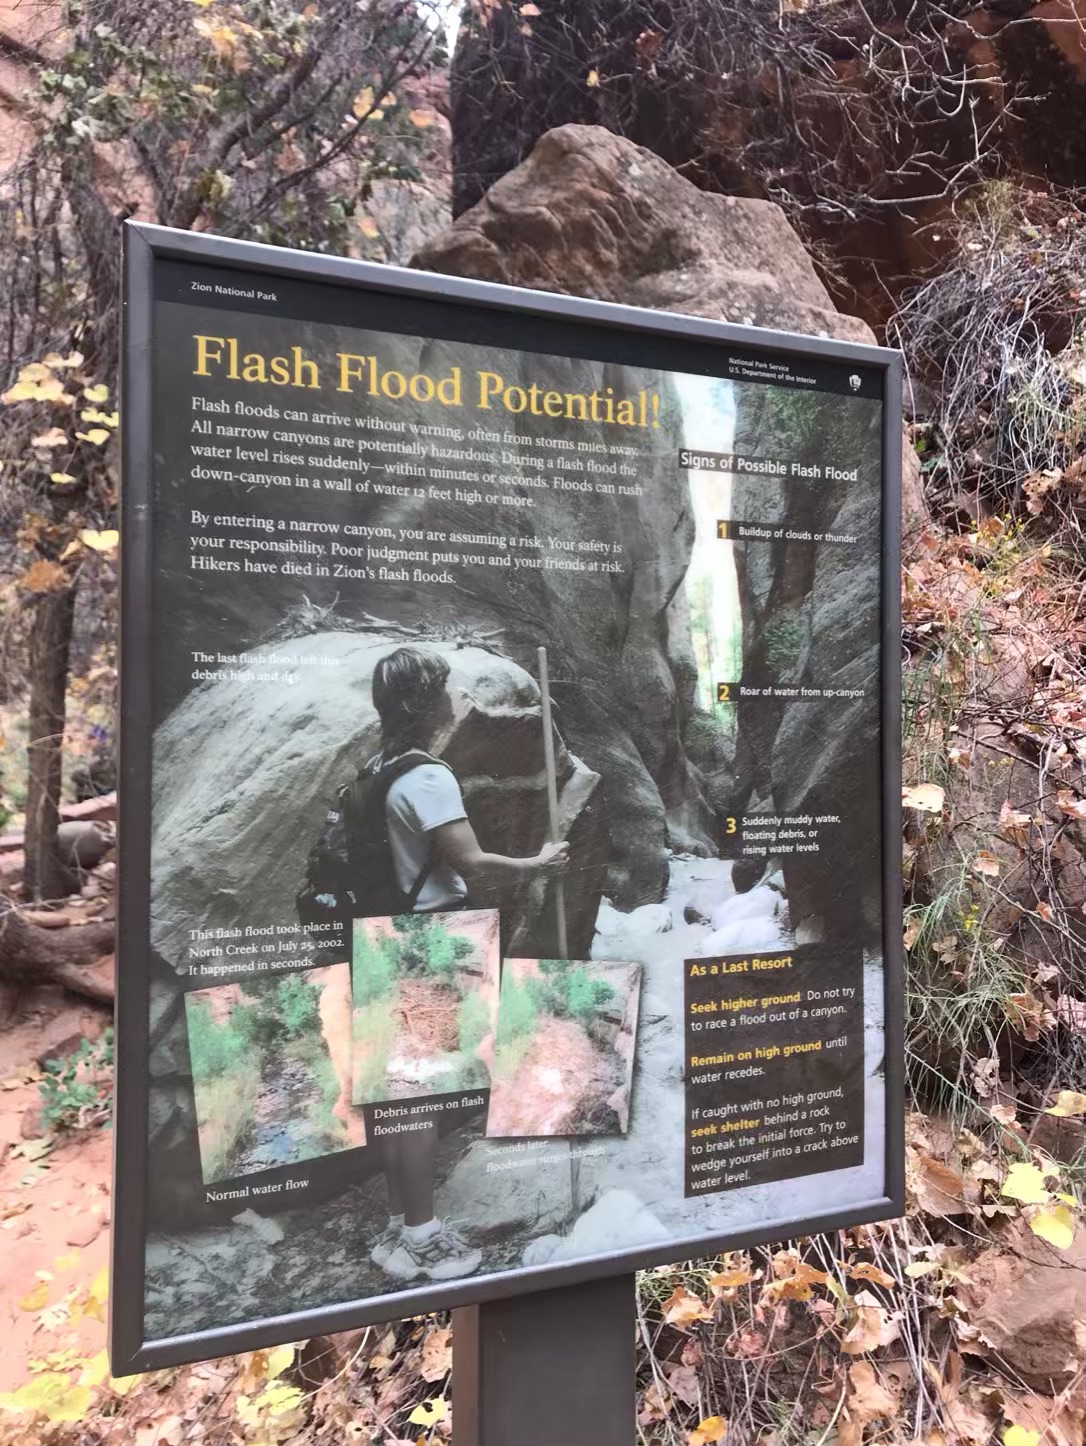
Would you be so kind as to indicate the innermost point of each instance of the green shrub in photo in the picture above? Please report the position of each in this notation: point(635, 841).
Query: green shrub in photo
point(473, 1022)
point(373, 967)
point(570, 992)
point(216, 1049)
point(264, 1083)
point(421, 1008)
point(226, 1078)
point(297, 1004)
point(517, 1011)
point(427, 947)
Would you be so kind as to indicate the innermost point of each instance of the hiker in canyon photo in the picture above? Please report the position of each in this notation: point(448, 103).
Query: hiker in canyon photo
point(435, 854)
point(435, 860)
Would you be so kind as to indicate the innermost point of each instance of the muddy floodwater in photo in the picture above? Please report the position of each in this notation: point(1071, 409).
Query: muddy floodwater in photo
point(425, 997)
point(566, 1037)
point(269, 1071)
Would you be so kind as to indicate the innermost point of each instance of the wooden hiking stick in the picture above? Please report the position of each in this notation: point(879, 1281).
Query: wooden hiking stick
point(559, 884)
point(552, 798)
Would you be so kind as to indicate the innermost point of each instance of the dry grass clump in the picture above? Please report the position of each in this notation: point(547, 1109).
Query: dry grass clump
point(996, 353)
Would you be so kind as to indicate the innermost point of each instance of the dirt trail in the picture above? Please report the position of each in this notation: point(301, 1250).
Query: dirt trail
point(560, 1088)
point(55, 1211)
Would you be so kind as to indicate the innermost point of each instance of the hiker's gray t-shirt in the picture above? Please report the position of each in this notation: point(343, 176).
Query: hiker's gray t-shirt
point(422, 800)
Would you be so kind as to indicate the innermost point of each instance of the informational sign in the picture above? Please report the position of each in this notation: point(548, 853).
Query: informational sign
point(509, 815)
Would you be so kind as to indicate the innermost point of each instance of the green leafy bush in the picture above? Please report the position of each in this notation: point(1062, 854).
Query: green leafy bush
point(298, 1005)
point(373, 968)
point(217, 1048)
point(517, 1011)
point(75, 1089)
point(428, 947)
point(570, 992)
point(473, 1022)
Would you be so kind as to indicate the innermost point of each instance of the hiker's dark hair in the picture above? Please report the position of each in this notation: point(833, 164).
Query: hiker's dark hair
point(407, 684)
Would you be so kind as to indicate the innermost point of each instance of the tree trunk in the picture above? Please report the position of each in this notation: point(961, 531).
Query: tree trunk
point(45, 876)
point(30, 955)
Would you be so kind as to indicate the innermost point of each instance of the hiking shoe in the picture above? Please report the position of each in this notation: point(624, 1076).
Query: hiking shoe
point(385, 1245)
point(445, 1255)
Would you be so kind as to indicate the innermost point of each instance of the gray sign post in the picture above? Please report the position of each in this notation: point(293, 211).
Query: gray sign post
point(553, 1366)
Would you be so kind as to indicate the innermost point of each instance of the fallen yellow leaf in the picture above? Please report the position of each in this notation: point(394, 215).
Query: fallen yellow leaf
point(1020, 1436)
point(36, 1298)
point(1025, 1183)
point(50, 1395)
point(55, 437)
point(928, 797)
point(683, 1307)
point(100, 541)
point(864, 1270)
point(95, 1370)
point(363, 104)
point(436, 1358)
point(873, 1326)
point(729, 1280)
point(1056, 1225)
point(20, 392)
point(713, 1428)
point(1068, 1103)
point(279, 1359)
point(430, 1413)
point(97, 1294)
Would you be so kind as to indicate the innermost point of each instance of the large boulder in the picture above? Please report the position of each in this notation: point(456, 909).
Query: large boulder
point(231, 836)
point(1026, 1308)
point(591, 214)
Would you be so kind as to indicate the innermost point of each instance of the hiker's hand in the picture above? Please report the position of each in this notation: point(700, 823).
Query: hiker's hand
point(552, 858)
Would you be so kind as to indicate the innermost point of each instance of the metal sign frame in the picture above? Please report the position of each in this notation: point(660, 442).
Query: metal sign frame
point(144, 247)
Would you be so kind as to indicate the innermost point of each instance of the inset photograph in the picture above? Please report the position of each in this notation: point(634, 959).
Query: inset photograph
point(566, 1036)
point(425, 1004)
point(270, 1071)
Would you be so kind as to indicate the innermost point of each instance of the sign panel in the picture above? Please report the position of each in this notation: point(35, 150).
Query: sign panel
point(510, 782)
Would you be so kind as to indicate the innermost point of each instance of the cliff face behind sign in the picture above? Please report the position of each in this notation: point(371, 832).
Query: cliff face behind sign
point(610, 220)
point(811, 619)
point(868, 121)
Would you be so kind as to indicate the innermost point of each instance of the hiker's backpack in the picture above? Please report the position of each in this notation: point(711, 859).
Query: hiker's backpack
point(350, 872)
